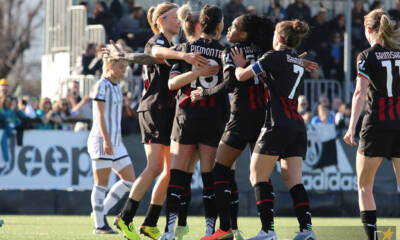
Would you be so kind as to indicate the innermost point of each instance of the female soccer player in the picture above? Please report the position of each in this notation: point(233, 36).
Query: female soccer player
point(379, 79)
point(253, 35)
point(156, 112)
point(283, 134)
point(196, 124)
point(105, 146)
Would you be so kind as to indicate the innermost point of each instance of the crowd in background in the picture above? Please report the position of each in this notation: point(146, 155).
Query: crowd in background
point(127, 24)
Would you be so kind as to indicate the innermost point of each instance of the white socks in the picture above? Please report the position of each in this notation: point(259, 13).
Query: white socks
point(115, 194)
point(97, 199)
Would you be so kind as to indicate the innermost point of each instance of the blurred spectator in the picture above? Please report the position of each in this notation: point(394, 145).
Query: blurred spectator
point(375, 5)
point(127, 5)
point(64, 113)
point(84, 108)
point(46, 114)
point(395, 13)
point(302, 106)
point(84, 61)
point(319, 37)
point(357, 17)
point(338, 24)
point(26, 107)
point(276, 12)
point(134, 28)
point(307, 117)
point(336, 103)
point(233, 9)
point(334, 66)
point(101, 16)
point(323, 116)
point(128, 27)
point(3, 87)
point(73, 96)
point(252, 10)
point(116, 9)
point(342, 118)
point(298, 10)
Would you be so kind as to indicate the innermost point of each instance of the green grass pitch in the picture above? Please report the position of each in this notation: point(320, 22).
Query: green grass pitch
point(34, 227)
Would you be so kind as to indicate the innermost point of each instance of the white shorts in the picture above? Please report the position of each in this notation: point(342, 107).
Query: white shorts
point(119, 160)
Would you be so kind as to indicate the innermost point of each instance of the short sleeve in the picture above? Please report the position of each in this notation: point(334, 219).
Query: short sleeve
point(362, 66)
point(227, 60)
point(177, 68)
point(99, 93)
point(264, 64)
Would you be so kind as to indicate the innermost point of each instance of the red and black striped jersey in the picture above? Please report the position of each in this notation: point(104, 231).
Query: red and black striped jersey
point(248, 97)
point(207, 107)
point(155, 80)
point(284, 76)
point(381, 67)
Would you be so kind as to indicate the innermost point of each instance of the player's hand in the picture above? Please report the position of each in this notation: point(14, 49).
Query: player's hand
point(196, 94)
point(207, 70)
point(309, 66)
point(349, 137)
point(108, 147)
point(238, 57)
point(195, 59)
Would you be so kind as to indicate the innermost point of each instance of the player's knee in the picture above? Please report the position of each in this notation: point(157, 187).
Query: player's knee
point(128, 184)
point(253, 179)
point(153, 171)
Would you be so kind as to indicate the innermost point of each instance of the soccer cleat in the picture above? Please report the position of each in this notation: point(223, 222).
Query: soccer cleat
point(219, 234)
point(264, 236)
point(151, 232)
point(168, 236)
point(237, 235)
point(128, 230)
point(181, 231)
point(305, 235)
point(104, 230)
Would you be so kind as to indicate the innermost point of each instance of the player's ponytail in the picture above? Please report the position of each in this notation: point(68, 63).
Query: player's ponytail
point(260, 31)
point(155, 12)
point(385, 31)
point(150, 19)
point(188, 20)
point(292, 32)
point(210, 17)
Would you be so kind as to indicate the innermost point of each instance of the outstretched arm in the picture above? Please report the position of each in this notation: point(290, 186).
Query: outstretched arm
point(167, 53)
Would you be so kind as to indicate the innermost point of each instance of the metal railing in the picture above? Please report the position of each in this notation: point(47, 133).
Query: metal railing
point(95, 34)
point(86, 83)
point(76, 32)
point(313, 89)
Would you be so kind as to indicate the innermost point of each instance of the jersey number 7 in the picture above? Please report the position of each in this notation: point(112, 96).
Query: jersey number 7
point(300, 71)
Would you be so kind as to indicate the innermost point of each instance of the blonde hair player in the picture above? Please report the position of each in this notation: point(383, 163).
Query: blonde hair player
point(105, 145)
point(378, 78)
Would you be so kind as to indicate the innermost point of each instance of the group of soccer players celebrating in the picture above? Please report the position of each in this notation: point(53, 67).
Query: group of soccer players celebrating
point(185, 115)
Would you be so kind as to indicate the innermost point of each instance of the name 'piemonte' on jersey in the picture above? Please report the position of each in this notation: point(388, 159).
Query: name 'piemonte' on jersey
point(212, 50)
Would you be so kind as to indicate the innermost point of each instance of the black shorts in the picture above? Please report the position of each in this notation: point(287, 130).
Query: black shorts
point(156, 126)
point(197, 130)
point(379, 143)
point(238, 138)
point(283, 142)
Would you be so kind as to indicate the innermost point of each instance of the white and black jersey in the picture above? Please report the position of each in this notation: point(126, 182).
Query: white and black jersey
point(109, 93)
